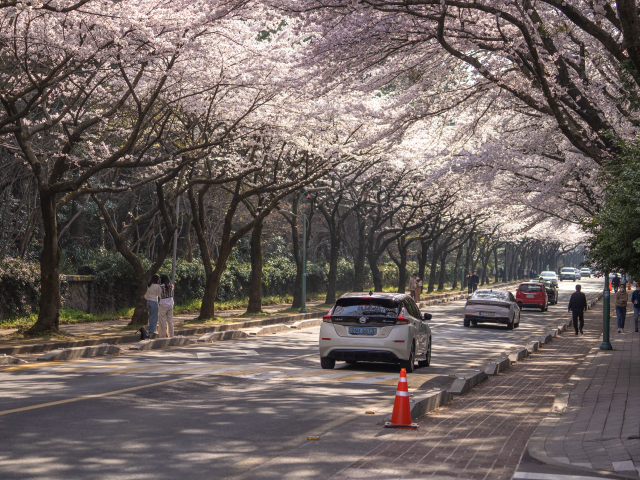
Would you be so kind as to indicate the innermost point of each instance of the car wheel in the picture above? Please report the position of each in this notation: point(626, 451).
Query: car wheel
point(427, 362)
point(467, 323)
point(327, 363)
point(474, 323)
point(542, 309)
point(510, 326)
point(409, 365)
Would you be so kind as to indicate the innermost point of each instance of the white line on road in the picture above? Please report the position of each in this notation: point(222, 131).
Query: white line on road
point(552, 476)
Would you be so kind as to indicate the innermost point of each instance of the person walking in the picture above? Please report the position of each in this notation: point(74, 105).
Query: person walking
point(418, 289)
point(577, 306)
point(615, 282)
point(621, 308)
point(165, 308)
point(153, 292)
point(475, 280)
point(635, 300)
point(412, 285)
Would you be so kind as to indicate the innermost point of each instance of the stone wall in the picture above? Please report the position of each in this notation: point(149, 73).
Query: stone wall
point(79, 295)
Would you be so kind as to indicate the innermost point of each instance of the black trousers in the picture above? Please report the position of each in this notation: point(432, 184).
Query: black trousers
point(578, 315)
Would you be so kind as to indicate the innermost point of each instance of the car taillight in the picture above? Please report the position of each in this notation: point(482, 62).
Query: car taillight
point(401, 319)
point(327, 318)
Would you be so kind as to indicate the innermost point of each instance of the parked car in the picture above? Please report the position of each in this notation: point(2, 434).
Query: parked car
point(552, 292)
point(532, 295)
point(568, 273)
point(585, 272)
point(549, 276)
point(578, 274)
point(492, 306)
point(375, 327)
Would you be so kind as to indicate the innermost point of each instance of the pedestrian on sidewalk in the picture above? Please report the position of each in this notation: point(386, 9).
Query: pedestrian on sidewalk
point(153, 292)
point(165, 308)
point(418, 289)
point(615, 282)
point(635, 299)
point(577, 306)
point(621, 308)
point(475, 280)
point(412, 285)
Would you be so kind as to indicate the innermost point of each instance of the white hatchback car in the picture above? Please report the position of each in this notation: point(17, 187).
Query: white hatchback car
point(375, 327)
point(492, 306)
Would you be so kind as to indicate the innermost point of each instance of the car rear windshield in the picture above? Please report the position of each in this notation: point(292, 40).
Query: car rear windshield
point(568, 270)
point(530, 288)
point(366, 306)
point(490, 295)
point(547, 274)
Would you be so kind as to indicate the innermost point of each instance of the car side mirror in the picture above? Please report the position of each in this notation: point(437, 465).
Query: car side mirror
point(427, 316)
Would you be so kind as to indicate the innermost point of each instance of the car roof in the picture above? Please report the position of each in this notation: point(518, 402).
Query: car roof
point(391, 296)
point(531, 283)
point(547, 271)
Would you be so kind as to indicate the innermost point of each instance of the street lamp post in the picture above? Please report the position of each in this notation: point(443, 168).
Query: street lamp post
point(606, 344)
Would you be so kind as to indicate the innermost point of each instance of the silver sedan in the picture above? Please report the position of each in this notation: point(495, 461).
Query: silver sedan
point(492, 306)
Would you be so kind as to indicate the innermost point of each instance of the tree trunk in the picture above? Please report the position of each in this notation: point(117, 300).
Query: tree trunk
point(424, 256)
point(443, 270)
point(402, 265)
point(434, 267)
point(49, 304)
point(358, 262)
point(333, 268)
point(190, 241)
point(213, 282)
point(376, 274)
point(255, 289)
point(456, 270)
point(495, 261)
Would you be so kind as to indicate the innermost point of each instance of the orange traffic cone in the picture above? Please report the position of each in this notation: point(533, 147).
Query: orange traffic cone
point(401, 416)
point(628, 285)
point(610, 288)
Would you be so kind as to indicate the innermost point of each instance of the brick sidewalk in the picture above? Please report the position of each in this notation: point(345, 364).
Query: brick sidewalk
point(597, 426)
point(482, 434)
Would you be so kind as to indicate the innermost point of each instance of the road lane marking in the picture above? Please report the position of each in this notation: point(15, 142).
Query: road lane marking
point(125, 390)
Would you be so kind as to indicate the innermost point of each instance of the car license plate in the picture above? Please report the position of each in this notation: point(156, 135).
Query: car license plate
point(362, 331)
point(529, 295)
point(486, 314)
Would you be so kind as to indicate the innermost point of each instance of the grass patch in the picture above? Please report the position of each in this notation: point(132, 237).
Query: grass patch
point(68, 316)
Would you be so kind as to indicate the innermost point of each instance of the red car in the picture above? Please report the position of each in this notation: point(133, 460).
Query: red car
point(533, 295)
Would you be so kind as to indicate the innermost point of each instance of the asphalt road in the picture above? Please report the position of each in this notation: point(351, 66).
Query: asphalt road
point(236, 409)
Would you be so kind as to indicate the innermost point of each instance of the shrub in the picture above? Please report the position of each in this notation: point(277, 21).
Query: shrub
point(19, 287)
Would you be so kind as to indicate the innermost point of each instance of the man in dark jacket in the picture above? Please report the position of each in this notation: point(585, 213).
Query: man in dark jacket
point(615, 283)
point(577, 306)
point(475, 280)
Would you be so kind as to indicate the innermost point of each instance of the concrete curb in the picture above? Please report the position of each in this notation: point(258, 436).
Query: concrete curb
point(271, 330)
point(464, 384)
point(161, 343)
point(543, 339)
point(220, 336)
point(306, 324)
point(518, 354)
point(533, 347)
point(498, 366)
point(79, 352)
point(422, 405)
point(133, 338)
point(8, 360)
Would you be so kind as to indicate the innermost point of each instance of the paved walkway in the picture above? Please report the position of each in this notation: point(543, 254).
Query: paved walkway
point(483, 434)
point(595, 423)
